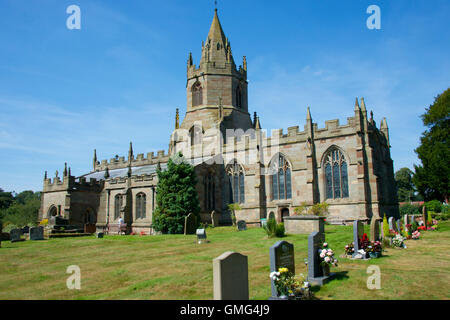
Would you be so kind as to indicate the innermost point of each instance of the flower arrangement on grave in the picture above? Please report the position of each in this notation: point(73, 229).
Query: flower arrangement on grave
point(398, 241)
point(374, 249)
point(416, 235)
point(422, 228)
point(327, 259)
point(364, 242)
point(290, 285)
point(143, 233)
point(350, 248)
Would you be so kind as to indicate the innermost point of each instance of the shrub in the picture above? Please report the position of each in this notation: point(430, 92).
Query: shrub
point(385, 227)
point(302, 209)
point(429, 220)
point(280, 230)
point(271, 227)
point(434, 205)
point(10, 227)
point(319, 209)
point(409, 209)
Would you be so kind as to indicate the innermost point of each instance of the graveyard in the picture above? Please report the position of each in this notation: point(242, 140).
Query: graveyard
point(177, 267)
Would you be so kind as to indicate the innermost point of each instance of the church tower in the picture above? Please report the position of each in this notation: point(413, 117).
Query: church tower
point(216, 89)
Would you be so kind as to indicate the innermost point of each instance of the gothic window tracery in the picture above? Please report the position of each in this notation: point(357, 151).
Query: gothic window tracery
point(336, 175)
point(236, 175)
point(118, 201)
point(197, 94)
point(281, 179)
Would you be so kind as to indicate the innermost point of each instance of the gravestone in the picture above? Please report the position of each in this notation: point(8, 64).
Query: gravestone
point(399, 225)
point(358, 231)
point(405, 220)
point(230, 277)
point(25, 229)
point(214, 219)
point(391, 223)
point(201, 235)
point(241, 225)
point(424, 215)
point(100, 235)
point(315, 272)
point(375, 229)
point(281, 256)
point(37, 233)
point(15, 235)
point(412, 219)
point(189, 224)
point(263, 222)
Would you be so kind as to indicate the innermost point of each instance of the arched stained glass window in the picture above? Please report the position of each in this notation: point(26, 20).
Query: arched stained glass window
point(237, 186)
point(118, 201)
point(336, 176)
point(210, 192)
point(140, 205)
point(281, 179)
point(197, 94)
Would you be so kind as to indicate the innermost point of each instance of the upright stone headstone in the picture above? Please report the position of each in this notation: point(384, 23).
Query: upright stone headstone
point(281, 256)
point(412, 219)
point(391, 223)
point(15, 235)
point(214, 219)
point(424, 215)
point(189, 224)
point(37, 233)
point(201, 235)
point(375, 229)
point(399, 225)
point(241, 225)
point(315, 272)
point(405, 220)
point(100, 235)
point(230, 277)
point(358, 231)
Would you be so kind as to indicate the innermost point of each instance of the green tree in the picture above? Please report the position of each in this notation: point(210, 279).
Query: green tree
point(406, 189)
point(176, 196)
point(432, 177)
point(25, 196)
point(6, 199)
point(233, 207)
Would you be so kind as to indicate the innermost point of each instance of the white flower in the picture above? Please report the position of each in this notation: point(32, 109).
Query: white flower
point(322, 255)
point(327, 259)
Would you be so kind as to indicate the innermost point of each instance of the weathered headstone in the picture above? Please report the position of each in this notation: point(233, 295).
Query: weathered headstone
point(189, 224)
point(375, 229)
point(263, 222)
point(405, 220)
point(201, 235)
point(241, 225)
point(25, 229)
point(37, 233)
point(281, 256)
point(15, 235)
point(399, 225)
point(358, 232)
point(391, 223)
point(230, 277)
point(100, 235)
point(424, 215)
point(214, 219)
point(412, 219)
point(315, 272)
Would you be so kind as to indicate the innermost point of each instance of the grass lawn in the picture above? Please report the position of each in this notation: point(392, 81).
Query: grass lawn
point(175, 267)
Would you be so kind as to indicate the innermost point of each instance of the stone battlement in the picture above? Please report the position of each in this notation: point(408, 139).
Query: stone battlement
point(140, 160)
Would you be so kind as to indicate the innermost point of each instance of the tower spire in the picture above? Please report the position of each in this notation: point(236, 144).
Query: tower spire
point(65, 169)
point(130, 152)
point(357, 108)
point(95, 158)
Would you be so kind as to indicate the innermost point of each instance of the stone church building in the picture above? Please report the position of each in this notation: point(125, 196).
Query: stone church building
point(349, 166)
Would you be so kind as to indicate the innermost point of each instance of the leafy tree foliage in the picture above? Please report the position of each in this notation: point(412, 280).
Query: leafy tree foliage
point(176, 196)
point(6, 199)
point(432, 177)
point(406, 189)
point(20, 210)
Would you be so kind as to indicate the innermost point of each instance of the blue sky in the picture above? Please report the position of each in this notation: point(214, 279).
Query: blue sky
point(64, 93)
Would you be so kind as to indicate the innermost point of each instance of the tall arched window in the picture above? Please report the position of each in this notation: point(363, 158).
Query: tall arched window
point(236, 178)
point(197, 95)
point(336, 176)
point(281, 179)
point(210, 192)
point(140, 205)
point(118, 201)
point(196, 133)
point(238, 97)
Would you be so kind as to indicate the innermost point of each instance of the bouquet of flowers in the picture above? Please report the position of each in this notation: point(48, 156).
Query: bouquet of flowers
point(397, 241)
point(416, 235)
point(375, 246)
point(364, 242)
point(327, 256)
point(289, 285)
point(350, 248)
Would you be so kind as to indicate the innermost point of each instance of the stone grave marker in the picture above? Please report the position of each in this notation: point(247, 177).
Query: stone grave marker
point(201, 235)
point(241, 225)
point(15, 235)
point(358, 231)
point(391, 223)
point(230, 277)
point(281, 256)
point(399, 225)
point(374, 229)
point(405, 220)
point(315, 272)
point(37, 233)
point(412, 219)
point(189, 224)
point(214, 218)
point(100, 235)
point(424, 215)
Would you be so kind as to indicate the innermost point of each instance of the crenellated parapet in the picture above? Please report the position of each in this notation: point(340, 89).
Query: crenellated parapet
point(140, 160)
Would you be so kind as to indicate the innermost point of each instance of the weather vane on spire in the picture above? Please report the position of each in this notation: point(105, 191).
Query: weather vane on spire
point(215, 4)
